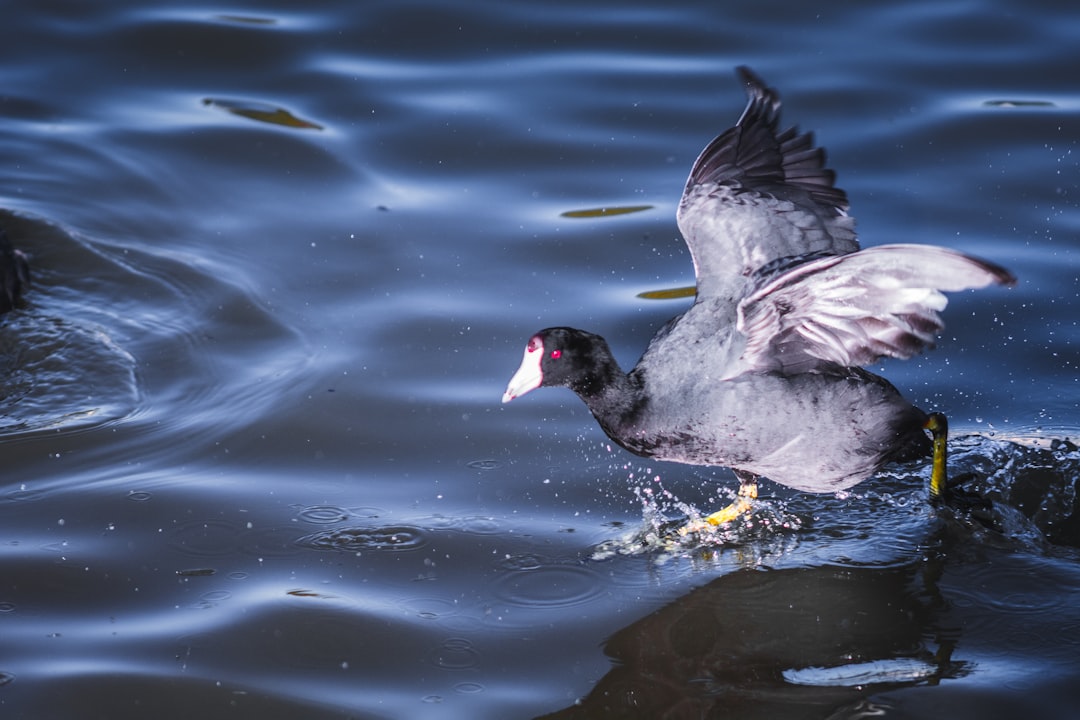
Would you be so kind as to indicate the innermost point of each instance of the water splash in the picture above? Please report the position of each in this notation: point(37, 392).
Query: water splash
point(665, 517)
point(1026, 488)
point(1017, 493)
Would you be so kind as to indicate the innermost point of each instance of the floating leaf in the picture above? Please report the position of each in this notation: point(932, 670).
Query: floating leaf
point(304, 593)
point(1018, 103)
point(262, 113)
point(605, 211)
point(247, 19)
point(669, 294)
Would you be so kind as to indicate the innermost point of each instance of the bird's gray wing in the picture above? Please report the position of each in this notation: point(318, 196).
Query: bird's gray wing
point(757, 195)
point(854, 309)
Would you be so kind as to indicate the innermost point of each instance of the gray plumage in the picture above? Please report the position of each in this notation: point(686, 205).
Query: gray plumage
point(762, 373)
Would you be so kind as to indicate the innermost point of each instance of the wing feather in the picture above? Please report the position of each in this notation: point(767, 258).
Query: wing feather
point(757, 194)
point(854, 309)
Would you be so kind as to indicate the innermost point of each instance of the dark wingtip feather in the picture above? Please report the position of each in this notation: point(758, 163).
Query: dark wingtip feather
point(758, 154)
point(999, 275)
point(1003, 276)
point(755, 86)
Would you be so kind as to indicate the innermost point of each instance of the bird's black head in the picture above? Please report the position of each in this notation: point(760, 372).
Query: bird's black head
point(562, 356)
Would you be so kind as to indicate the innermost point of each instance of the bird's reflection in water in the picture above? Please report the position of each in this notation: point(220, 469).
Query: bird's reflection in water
point(792, 643)
point(831, 641)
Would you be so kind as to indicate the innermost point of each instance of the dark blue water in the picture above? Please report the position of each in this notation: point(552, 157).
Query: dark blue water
point(286, 256)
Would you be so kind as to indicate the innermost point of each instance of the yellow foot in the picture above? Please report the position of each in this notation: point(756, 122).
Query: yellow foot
point(742, 504)
point(939, 433)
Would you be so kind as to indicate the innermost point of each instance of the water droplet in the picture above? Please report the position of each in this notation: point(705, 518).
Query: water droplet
point(455, 654)
point(393, 537)
point(548, 586)
point(323, 514)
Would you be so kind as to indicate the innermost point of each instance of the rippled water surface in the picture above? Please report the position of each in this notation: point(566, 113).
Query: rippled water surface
point(286, 256)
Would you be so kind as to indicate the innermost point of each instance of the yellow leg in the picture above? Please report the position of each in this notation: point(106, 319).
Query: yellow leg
point(741, 504)
point(939, 432)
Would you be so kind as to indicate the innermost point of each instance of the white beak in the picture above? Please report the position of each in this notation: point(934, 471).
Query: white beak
point(528, 376)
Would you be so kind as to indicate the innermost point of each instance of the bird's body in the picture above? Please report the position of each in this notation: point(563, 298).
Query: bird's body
point(766, 363)
point(766, 424)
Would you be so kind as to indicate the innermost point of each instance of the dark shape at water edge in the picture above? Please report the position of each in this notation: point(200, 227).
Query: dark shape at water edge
point(14, 274)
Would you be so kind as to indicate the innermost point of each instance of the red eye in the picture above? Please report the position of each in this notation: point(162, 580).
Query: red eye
point(556, 354)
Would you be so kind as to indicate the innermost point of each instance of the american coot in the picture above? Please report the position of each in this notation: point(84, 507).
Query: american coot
point(762, 373)
point(14, 274)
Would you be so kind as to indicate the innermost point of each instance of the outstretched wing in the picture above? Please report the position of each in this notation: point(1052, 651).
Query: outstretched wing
point(757, 195)
point(853, 309)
